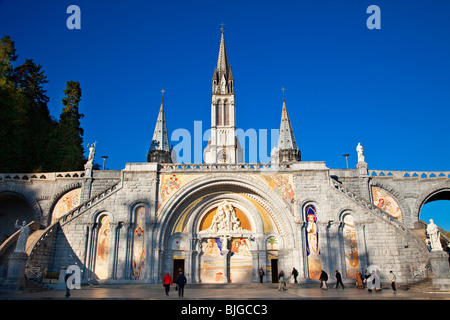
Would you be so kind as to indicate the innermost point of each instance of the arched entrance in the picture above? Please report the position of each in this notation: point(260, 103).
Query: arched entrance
point(12, 208)
point(224, 221)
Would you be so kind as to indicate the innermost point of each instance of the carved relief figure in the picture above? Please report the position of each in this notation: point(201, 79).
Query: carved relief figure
point(225, 220)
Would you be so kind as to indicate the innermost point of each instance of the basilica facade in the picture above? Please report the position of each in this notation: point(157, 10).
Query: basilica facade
point(223, 220)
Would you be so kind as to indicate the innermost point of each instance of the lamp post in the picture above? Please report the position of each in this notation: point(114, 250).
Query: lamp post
point(346, 158)
point(104, 159)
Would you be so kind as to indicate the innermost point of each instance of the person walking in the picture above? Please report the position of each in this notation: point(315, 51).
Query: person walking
point(66, 278)
point(338, 280)
point(323, 280)
point(281, 280)
point(359, 280)
point(181, 281)
point(393, 278)
point(261, 274)
point(295, 274)
point(167, 282)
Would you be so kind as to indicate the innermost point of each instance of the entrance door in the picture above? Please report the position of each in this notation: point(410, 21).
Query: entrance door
point(274, 265)
point(178, 264)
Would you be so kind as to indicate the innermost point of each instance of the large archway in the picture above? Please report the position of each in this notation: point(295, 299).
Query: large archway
point(190, 212)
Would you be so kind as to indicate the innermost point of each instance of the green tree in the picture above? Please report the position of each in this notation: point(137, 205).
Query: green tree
point(35, 125)
point(8, 112)
point(70, 132)
point(31, 140)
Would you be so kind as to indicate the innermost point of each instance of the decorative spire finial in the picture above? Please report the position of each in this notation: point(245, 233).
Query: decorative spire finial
point(222, 28)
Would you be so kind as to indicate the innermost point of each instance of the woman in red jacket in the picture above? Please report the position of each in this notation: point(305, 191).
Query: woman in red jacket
point(167, 282)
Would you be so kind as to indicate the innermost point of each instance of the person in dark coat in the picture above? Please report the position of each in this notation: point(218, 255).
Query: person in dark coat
point(295, 274)
point(66, 277)
point(323, 280)
point(261, 274)
point(181, 281)
point(338, 280)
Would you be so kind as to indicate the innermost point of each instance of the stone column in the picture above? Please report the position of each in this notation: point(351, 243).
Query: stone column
point(335, 251)
point(323, 243)
point(255, 259)
point(188, 264)
point(226, 266)
point(361, 243)
point(87, 183)
point(440, 269)
point(15, 279)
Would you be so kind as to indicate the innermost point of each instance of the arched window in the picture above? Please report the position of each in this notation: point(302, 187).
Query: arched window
point(219, 113)
point(138, 259)
point(102, 252)
point(312, 243)
point(227, 113)
point(350, 247)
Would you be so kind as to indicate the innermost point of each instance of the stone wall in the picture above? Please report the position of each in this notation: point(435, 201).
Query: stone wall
point(381, 240)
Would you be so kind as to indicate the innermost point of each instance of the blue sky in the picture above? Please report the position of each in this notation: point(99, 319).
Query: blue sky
point(386, 88)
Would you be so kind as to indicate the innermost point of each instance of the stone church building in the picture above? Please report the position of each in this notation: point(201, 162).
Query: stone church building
point(222, 220)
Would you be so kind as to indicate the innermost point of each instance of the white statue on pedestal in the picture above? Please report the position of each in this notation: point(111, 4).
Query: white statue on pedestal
point(435, 235)
point(23, 236)
point(360, 150)
point(91, 153)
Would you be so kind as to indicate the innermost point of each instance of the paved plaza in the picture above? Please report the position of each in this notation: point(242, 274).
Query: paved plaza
point(227, 292)
point(228, 302)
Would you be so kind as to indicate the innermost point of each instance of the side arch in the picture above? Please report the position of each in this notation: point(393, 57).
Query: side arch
point(397, 196)
point(433, 193)
point(29, 198)
point(58, 196)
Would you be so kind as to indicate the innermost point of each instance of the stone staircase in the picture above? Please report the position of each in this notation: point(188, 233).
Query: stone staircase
point(33, 286)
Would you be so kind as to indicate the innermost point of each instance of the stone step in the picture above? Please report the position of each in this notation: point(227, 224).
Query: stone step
point(424, 285)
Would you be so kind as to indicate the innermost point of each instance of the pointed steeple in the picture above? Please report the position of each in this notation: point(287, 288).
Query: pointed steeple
point(287, 150)
point(222, 61)
point(159, 149)
point(223, 145)
point(286, 140)
point(223, 81)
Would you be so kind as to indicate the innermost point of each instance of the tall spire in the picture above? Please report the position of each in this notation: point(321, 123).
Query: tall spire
point(223, 81)
point(286, 140)
point(287, 146)
point(159, 149)
point(223, 145)
point(222, 60)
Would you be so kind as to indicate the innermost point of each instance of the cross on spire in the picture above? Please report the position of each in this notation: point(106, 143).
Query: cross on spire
point(283, 89)
point(162, 91)
point(222, 28)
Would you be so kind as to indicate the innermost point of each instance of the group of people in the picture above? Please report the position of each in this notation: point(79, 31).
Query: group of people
point(370, 280)
point(180, 282)
point(323, 277)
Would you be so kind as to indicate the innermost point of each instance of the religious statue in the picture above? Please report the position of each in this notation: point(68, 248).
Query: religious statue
point(23, 236)
point(91, 152)
point(360, 150)
point(311, 229)
point(435, 235)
